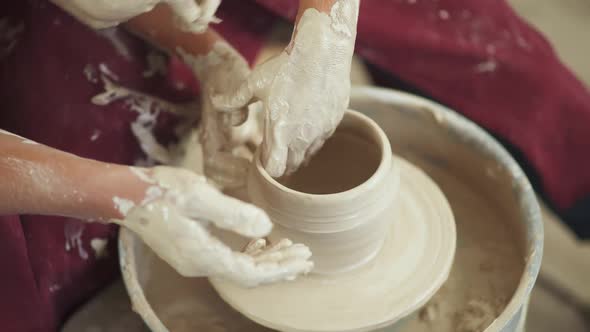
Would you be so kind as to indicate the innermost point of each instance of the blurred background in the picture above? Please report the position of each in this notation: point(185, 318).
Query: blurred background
point(561, 300)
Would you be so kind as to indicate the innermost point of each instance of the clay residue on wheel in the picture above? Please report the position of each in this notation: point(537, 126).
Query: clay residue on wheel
point(189, 304)
point(488, 263)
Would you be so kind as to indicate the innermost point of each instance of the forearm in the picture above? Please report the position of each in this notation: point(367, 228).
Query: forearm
point(36, 179)
point(158, 27)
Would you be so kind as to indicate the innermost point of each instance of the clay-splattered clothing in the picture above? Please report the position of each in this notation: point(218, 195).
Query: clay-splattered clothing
point(50, 69)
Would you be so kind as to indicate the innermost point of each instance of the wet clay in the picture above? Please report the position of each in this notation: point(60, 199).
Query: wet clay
point(319, 62)
point(488, 265)
point(345, 161)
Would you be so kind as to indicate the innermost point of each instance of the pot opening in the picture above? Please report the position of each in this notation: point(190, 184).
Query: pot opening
point(349, 158)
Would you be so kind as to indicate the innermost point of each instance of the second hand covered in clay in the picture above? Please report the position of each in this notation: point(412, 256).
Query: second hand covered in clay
point(305, 89)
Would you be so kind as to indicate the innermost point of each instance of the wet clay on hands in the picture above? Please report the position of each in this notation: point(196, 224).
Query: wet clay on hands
point(220, 70)
point(168, 208)
point(98, 14)
point(173, 220)
point(37, 179)
point(305, 90)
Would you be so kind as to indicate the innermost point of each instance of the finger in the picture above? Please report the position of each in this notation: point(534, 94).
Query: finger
point(233, 100)
point(284, 243)
point(286, 270)
point(274, 150)
point(313, 149)
point(254, 247)
point(237, 118)
point(214, 258)
point(234, 215)
point(294, 160)
point(246, 271)
point(255, 87)
point(196, 244)
point(259, 246)
point(209, 7)
point(275, 162)
point(297, 251)
point(149, 144)
point(296, 267)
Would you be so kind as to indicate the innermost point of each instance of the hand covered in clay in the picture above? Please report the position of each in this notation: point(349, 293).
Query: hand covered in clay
point(193, 15)
point(173, 220)
point(305, 90)
point(221, 71)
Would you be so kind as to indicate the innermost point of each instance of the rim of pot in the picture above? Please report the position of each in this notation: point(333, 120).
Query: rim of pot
point(366, 186)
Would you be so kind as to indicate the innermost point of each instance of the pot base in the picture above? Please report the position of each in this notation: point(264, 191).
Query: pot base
point(413, 263)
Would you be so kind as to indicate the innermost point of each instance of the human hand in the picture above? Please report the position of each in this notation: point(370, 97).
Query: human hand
point(173, 220)
point(219, 71)
point(305, 90)
point(193, 15)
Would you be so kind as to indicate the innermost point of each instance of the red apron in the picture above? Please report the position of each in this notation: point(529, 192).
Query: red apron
point(48, 264)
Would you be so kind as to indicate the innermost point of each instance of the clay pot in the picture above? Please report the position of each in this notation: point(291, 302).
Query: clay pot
point(342, 220)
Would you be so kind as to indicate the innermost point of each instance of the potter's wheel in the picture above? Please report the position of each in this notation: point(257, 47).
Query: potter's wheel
point(499, 237)
point(413, 263)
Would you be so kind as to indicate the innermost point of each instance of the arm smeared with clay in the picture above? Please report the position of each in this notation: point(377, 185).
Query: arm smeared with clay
point(192, 15)
point(219, 68)
point(169, 209)
point(305, 90)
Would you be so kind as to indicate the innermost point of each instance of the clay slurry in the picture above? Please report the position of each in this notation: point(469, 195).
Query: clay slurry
point(345, 161)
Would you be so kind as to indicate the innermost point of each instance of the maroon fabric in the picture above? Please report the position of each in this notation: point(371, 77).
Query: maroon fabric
point(481, 59)
point(46, 97)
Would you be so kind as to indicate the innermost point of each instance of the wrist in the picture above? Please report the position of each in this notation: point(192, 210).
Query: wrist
point(159, 27)
point(117, 189)
point(323, 6)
